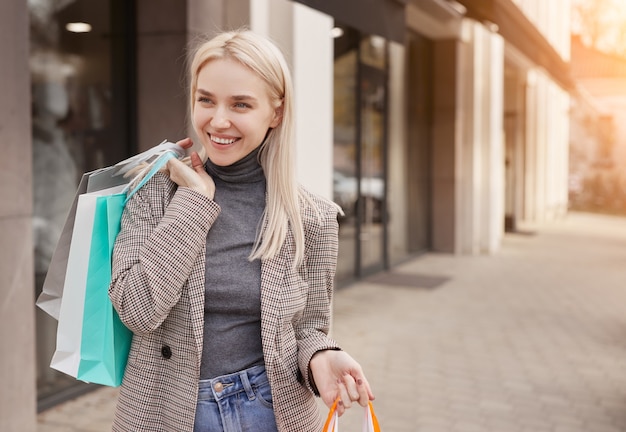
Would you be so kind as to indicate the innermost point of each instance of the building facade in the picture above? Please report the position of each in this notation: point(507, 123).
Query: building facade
point(437, 125)
point(598, 130)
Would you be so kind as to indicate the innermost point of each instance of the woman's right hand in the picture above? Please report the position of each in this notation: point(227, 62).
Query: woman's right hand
point(196, 177)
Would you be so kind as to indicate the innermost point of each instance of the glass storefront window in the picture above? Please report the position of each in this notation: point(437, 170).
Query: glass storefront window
point(79, 123)
point(382, 150)
point(374, 51)
point(372, 169)
point(345, 150)
point(359, 150)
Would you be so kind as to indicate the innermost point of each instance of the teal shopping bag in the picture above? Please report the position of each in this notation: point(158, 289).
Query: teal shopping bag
point(105, 340)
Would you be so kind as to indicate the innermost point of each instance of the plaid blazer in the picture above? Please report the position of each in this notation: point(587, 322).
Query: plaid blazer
point(158, 290)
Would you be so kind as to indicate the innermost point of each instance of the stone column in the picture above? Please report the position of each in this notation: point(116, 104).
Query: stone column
point(447, 140)
point(17, 335)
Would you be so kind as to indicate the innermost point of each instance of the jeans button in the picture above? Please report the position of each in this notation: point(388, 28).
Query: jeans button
point(218, 387)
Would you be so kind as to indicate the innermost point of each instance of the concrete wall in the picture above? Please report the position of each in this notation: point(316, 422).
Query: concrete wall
point(483, 155)
point(446, 145)
point(17, 364)
point(468, 142)
point(162, 108)
point(552, 18)
point(514, 113)
point(313, 82)
point(547, 149)
point(397, 177)
point(547, 120)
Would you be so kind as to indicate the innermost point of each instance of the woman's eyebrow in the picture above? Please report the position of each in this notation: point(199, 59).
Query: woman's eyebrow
point(243, 97)
point(236, 98)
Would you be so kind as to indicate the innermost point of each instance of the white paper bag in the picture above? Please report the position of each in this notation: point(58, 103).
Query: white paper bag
point(66, 358)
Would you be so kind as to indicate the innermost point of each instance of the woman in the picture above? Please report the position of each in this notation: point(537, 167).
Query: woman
point(224, 269)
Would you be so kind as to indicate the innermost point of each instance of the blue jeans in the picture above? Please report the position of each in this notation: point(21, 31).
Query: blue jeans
point(238, 402)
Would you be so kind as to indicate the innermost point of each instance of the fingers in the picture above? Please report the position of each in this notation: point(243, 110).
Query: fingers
point(341, 408)
point(176, 169)
point(181, 174)
point(364, 390)
point(355, 390)
point(345, 400)
point(351, 391)
point(196, 163)
point(351, 388)
point(174, 163)
point(339, 376)
point(328, 398)
point(185, 143)
point(195, 178)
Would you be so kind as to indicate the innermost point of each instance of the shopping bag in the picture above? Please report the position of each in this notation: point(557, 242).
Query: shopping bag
point(85, 302)
point(50, 298)
point(92, 342)
point(105, 341)
point(370, 422)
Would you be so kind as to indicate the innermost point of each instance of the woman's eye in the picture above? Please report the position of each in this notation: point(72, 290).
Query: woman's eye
point(203, 99)
point(241, 105)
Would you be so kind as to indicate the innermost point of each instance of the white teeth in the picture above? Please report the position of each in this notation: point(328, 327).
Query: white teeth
point(223, 140)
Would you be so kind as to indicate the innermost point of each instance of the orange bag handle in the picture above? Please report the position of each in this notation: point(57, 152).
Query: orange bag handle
point(333, 411)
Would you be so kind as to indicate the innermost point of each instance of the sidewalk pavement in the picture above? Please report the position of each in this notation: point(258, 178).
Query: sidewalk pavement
point(530, 339)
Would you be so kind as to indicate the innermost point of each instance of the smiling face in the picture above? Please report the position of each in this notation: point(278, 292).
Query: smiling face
point(232, 111)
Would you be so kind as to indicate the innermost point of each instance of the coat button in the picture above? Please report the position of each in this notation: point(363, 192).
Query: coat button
point(166, 352)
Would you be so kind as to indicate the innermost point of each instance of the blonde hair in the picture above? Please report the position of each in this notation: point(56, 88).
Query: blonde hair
point(276, 154)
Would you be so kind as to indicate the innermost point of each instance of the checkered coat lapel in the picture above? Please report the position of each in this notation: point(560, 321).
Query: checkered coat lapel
point(158, 289)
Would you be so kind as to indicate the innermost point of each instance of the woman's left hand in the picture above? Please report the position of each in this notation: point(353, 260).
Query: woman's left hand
point(195, 178)
point(336, 374)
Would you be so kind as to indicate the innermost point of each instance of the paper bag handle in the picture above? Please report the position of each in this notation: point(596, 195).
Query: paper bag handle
point(153, 169)
point(370, 421)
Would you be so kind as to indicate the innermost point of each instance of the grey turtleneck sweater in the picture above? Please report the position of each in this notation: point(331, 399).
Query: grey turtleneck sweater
point(232, 308)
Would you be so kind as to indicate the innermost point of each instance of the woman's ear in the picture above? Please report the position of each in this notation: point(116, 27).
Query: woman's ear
point(278, 115)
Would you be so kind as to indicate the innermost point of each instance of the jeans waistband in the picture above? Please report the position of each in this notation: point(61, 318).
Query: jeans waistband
point(224, 386)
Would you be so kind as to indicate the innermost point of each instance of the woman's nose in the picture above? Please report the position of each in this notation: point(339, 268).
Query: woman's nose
point(220, 119)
